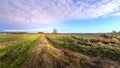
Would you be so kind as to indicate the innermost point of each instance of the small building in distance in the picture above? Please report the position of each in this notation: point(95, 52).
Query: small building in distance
point(40, 32)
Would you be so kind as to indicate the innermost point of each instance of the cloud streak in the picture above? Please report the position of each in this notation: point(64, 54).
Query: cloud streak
point(52, 12)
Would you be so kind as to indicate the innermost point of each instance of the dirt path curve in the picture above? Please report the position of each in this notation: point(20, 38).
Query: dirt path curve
point(45, 55)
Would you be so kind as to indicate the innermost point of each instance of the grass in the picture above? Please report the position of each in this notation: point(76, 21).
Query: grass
point(11, 37)
point(109, 52)
point(8, 38)
point(13, 56)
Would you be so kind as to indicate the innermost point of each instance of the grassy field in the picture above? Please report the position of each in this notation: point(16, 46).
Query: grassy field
point(74, 43)
point(9, 37)
point(15, 49)
point(13, 56)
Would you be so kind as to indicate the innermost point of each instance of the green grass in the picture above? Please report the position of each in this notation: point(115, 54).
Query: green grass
point(11, 37)
point(13, 56)
point(109, 52)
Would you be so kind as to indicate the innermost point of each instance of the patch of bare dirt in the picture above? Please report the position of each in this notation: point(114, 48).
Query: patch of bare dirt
point(45, 55)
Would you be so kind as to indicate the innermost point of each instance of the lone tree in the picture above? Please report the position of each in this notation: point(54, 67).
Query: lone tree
point(55, 31)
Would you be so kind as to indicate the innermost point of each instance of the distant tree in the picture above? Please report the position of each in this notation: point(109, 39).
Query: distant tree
point(55, 31)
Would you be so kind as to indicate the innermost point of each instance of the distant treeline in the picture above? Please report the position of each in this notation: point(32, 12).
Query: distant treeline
point(13, 32)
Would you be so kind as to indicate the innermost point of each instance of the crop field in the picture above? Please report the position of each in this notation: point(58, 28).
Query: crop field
point(13, 55)
point(59, 51)
point(82, 44)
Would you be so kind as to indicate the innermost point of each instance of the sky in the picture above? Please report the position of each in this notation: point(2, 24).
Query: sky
point(67, 16)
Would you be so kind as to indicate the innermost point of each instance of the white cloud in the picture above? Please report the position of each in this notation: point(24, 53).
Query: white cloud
point(52, 12)
point(29, 30)
point(14, 30)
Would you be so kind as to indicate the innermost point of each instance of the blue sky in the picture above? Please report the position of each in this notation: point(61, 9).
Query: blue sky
point(67, 16)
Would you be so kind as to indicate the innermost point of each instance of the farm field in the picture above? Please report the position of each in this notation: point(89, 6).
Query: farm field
point(13, 55)
point(59, 33)
point(88, 45)
point(58, 51)
point(85, 46)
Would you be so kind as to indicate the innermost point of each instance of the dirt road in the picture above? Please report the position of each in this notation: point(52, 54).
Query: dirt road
point(44, 55)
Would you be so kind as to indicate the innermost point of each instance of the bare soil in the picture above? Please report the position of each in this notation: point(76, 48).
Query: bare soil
point(44, 55)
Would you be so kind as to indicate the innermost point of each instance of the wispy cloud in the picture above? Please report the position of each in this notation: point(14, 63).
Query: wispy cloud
point(28, 30)
point(14, 30)
point(51, 12)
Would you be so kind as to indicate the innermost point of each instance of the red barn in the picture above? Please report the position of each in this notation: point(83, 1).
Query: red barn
point(40, 33)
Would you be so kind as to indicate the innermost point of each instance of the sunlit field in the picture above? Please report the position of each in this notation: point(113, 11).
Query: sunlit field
point(59, 33)
point(59, 50)
point(15, 48)
point(88, 44)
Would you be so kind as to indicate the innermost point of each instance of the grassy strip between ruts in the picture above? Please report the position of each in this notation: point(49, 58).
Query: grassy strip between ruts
point(13, 56)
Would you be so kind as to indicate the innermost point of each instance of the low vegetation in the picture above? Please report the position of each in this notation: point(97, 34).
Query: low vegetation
point(81, 46)
point(9, 37)
point(58, 50)
point(13, 56)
